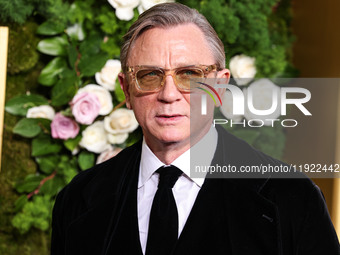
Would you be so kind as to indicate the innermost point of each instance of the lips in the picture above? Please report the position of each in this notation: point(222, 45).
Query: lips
point(169, 118)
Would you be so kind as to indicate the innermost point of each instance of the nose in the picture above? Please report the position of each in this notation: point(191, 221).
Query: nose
point(169, 93)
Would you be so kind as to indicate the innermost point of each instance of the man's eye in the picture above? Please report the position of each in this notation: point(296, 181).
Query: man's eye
point(151, 73)
point(190, 73)
point(144, 74)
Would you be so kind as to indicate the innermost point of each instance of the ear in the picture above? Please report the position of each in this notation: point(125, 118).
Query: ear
point(223, 77)
point(124, 84)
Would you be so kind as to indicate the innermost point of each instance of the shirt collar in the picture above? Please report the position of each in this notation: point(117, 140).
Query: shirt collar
point(150, 163)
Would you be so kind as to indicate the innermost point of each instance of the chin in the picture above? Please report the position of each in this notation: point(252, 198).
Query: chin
point(174, 136)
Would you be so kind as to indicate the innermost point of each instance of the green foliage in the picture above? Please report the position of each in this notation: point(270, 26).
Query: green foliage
point(67, 167)
point(27, 128)
point(20, 104)
point(119, 92)
point(19, 10)
point(86, 160)
point(90, 64)
point(64, 90)
point(49, 75)
point(47, 164)
point(15, 10)
point(108, 22)
point(44, 145)
point(50, 28)
point(55, 46)
point(30, 183)
point(35, 213)
point(72, 144)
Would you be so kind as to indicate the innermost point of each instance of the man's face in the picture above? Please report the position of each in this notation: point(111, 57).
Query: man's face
point(165, 115)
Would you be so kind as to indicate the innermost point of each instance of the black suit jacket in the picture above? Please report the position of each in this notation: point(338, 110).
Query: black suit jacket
point(97, 212)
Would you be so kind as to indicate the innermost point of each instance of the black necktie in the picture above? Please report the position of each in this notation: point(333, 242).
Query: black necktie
point(163, 224)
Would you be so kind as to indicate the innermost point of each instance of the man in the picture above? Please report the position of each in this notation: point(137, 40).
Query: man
point(122, 205)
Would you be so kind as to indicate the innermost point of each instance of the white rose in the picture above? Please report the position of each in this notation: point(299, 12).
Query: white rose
point(117, 138)
point(124, 8)
point(94, 138)
point(120, 121)
point(108, 75)
point(227, 107)
point(262, 93)
point(103, 95)
point(242, 68)
point(76, 31)
point(147, 4)
point(107, 154)
point(42, 111)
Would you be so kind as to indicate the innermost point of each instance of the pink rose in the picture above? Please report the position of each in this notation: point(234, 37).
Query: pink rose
point(63, 127)
point(85, 107)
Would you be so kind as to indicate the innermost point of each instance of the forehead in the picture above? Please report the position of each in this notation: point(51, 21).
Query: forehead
point(171, 47)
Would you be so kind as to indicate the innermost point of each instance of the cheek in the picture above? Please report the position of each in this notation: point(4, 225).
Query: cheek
point(142, 108)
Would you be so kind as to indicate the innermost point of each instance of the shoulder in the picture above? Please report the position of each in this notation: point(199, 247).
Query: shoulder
point(273, 177)
point(100, 178)
point(110, 168)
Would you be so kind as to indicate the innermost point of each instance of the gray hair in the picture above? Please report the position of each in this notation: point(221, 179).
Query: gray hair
point(170, 15)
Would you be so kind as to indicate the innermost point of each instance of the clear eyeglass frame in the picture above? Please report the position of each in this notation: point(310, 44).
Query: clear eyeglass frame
point(199, 71)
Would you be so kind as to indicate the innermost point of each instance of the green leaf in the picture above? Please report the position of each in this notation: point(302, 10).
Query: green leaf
point(55, 46)
point(20, 202)
point(30, 183)
point(248, 135)
point(27, 128)
point(44, 145)
point(70, 174)
point(45, 125)
point(68, 168)
point(72, 143)
point(64, 90)
point(91, 45)
point(72, 55)
point(119, 92)
point(49, 75)
point(53, 186)
point(48, 164)
point(20, 104)
point(86, 160)
point(68, 73)
point(50, 28)
point(89, 65)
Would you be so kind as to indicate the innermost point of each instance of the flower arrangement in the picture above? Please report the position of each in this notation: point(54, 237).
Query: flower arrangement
point(77, 116)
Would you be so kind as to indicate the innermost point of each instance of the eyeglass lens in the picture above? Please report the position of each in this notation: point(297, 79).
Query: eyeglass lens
point(152, 79)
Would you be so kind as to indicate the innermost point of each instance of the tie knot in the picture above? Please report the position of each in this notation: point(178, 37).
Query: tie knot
point(168, 175)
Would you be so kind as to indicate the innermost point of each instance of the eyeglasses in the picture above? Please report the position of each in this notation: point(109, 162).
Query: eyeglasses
point(151, 79)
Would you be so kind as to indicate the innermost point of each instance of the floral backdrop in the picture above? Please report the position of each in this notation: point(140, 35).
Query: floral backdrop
point(63, 89)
